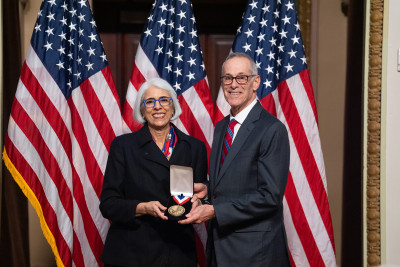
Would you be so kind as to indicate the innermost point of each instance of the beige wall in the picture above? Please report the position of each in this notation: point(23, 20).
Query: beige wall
point(330, 98)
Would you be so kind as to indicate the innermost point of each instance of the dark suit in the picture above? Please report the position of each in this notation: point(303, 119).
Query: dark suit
point(247, 193)
point(137, 171)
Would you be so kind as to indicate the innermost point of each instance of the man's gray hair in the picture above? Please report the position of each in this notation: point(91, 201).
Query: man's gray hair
point(253, 66)
point(159, 83)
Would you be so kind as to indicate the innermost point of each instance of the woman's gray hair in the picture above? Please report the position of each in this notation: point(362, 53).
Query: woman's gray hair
point(159, 83)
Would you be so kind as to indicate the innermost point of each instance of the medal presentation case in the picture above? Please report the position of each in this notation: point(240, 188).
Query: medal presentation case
point(181, 187)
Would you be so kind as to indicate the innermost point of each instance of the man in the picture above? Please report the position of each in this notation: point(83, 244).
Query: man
point(247, 181)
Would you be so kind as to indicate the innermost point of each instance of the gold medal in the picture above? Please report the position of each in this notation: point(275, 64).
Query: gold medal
point(176, 210)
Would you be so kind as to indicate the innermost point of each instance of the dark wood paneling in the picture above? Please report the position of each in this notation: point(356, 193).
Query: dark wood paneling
point(352, 216)
point(130, 45)
point(216, 49)
point(129, 16)
point(112, 44)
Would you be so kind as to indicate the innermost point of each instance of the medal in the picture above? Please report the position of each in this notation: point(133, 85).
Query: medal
point(176, 210)
point(181, 188)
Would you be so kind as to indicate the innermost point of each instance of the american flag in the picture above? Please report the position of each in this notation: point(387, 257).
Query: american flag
point(169, 48)
point(64, 116)
point(270, 34)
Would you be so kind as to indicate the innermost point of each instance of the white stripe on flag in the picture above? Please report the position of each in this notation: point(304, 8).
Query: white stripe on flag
point(306, 198)
point(109, 103)
point(131, 94)
point(144, 65)
point(89, 258)
point(94, 139)
point(222, 104)
point(200, 113)
point(60, 103)
point(309, 122)
point(49, 86)
point(91, 197)
point(294, 242)
point(49, 136)
point(180, 125)
point(31, 156)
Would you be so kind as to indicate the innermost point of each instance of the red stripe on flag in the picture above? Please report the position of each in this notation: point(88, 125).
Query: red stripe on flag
point(52, 167)
point(110, 82)
point(137, 79)
point(54, 119)
point(203, 91)
point(128, 118)
point(92, 234)
point(77, 255)
point(268, 103)
point(48, 213)
point(292, 263)
point(191, 124)
point(93, 173)
point(92, 168)
point(217, 115)
point(49, 111)
point(305, 154)
point(31, 132)
point(300, 223)
point(200, 250)
point(305, 78)
point(97, 113)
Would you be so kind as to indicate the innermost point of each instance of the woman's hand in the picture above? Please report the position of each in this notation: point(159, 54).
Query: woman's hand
point(152, 208)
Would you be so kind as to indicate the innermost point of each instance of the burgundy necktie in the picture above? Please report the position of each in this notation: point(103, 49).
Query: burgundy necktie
point(228, 140)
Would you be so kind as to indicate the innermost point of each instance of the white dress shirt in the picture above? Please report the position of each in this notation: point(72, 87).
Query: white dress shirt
point(241, 116)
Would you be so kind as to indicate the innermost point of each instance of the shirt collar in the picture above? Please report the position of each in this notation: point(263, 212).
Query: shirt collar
point(242, 115)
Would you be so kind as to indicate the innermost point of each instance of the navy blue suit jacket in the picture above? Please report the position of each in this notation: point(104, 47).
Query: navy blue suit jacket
point(247, 193)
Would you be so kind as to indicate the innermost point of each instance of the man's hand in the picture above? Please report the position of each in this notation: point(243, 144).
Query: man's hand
point(200, 190)
point(153, 208)
point(199, 214)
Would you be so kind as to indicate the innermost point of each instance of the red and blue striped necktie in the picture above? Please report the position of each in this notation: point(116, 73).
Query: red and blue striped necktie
point(228, 140)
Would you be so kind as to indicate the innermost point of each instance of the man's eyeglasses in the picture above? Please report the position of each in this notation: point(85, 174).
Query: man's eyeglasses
point(240, 79)
point(151, 102)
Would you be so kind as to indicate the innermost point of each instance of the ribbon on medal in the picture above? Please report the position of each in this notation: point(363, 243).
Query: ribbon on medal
point(181, 199)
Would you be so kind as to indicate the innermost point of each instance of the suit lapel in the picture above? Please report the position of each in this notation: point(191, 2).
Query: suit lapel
point(153, 153)
point(150, 150)
point(244, 131)
point(215, 158)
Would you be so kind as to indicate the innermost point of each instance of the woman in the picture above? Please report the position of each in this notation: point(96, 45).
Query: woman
point(136, 185)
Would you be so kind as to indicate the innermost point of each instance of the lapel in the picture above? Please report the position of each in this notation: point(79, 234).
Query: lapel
point(244, 131)
point(153, 153)
point(215, 158)
point(181, 154)
point(149, 148)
